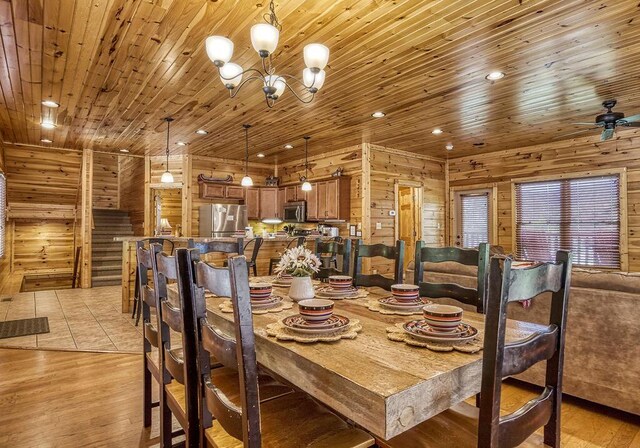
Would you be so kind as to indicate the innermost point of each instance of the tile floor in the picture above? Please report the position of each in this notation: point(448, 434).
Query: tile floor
point(79, 319)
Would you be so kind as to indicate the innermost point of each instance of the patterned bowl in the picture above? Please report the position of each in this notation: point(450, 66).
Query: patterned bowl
point(443, 318)
point(340, 281)
point(405, 292)
point(315, 310)
point(259, 291)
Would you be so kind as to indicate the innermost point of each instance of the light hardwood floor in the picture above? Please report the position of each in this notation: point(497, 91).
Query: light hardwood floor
point(67, 399)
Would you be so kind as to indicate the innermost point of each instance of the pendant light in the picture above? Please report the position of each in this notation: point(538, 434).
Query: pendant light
point(306, 186)
point(167, 177)
point(246, 180)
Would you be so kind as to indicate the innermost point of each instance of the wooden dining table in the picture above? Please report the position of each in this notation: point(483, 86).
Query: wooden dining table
point(384, 386)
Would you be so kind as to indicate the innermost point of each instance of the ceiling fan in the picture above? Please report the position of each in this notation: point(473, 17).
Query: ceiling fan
point(610, 120)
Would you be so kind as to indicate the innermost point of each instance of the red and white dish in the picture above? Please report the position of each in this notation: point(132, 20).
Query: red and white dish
point(271, 302)
point(315, 310)
point(341, 282)
point(328, 292)
point(260, 290)
point(442, 317)
point(298, 324)
point(405, 291)
point(428, 330)
point(420, 331)
point(403, 305)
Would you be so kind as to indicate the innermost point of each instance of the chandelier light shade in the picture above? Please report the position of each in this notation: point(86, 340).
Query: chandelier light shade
point(219, 49)
point(316, 56)
point(306, 185)
point(167, 177)
point(246, 180)
point(264, 39)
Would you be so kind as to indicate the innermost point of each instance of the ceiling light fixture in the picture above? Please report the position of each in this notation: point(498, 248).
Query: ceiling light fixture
point(288, 146)
point(182, 143)
point(48, 124)
point(202, 132)
point(50, 103)
point(260, 155)
point(46, 140)
point(437, 131)
point(306, 186)
point(125, 150)
point(494, 76)
point(449, 146)
point(167, 177)
point(264, 38)
point(378, 114)
point(246, 180)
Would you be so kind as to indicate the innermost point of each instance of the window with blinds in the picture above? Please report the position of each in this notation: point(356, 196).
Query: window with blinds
point(581, 215)
point(474, 219)
point(3, 211)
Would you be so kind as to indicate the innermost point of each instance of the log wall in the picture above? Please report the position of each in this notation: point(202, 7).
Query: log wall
point(564, 157)
point(132, 190)
point(105, 181)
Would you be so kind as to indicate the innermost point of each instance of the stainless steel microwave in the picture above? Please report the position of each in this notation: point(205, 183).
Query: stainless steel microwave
point(295, 211)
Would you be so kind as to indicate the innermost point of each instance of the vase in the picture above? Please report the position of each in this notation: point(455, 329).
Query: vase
point(301, 288)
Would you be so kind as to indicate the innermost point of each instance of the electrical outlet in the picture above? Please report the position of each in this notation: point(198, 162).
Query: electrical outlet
point(378, 226)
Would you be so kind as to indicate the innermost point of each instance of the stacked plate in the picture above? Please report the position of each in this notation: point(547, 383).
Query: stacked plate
point(340, 287)
point(441, 323)
point(316, 317)
point(283, 280)
point(404, 297)
point(261, 296)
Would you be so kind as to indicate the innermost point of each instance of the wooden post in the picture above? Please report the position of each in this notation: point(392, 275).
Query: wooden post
point(186, 195)
point(126, 275)
point(366, 202)
point(87, 217)
point(148, 216)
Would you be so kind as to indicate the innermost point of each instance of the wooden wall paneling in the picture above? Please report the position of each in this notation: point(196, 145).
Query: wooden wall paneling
point(187, 196)
point(105, 180)
point(557, 159)
point(132, 190)
point(86, 218)
point(148, 212)
point(172, 201)
point(43, 245)
point(365, 225)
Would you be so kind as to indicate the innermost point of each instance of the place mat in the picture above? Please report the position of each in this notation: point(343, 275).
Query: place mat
point(279, 331)
point(397, 334)
point(374, 305)
point(362, 293)
point(227, 307)
point(23, 327)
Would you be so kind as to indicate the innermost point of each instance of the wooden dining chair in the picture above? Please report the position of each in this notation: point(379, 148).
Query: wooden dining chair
point(335, 249)
point(469, 257)
point(486, 427)
point(395, 253)
point(243, 417)
point(252, 262)
point(273, 261)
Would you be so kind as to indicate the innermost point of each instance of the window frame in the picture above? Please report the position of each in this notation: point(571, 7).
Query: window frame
point(621, 172)
point(455, 205)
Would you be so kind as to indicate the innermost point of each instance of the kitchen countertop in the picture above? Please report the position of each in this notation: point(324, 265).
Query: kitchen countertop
point(123, 239)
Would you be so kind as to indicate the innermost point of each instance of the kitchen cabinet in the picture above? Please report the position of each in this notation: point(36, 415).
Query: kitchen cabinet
point(252, 201)
point(290, 194)
point(234, 192)
point(282, 198)
point(329, 199)
point(312, 203)
point(332, 209)
point(220, 191)
point(268, 203)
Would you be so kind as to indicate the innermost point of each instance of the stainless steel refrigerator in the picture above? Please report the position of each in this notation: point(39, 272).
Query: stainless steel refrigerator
point(219, 220)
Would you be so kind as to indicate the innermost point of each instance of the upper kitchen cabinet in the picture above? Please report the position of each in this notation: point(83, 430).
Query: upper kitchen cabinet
point(329, 199)
point(269, 203)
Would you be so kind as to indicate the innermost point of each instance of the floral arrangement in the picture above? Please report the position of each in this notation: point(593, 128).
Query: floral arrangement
point(298, 262)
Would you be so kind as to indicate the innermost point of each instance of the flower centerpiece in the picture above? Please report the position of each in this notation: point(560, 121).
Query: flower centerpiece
point(301, 264)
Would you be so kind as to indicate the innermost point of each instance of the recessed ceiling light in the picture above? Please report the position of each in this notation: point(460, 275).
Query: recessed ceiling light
point(182, 143)
point(449, 146)
point(437, 131)
point(494, 76)
point(124, 150)
point(202, 132)
point(48, 125)
point(378, 114)
point(288, 146)
point(50, 103)
point(46, 140)
point(260, 155)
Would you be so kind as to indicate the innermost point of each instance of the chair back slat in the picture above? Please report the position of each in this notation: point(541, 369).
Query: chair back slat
point(520, 355)
point(145, 263)
point(469, 257)
point(501, 360)
point(515, 428)
point(225, 247)
point(334, 248)
point(228, 414)
point(218, 344)
point(395, 253)
point(148, 296)
point(172, 316)
point(529, 282)
point(215, 280)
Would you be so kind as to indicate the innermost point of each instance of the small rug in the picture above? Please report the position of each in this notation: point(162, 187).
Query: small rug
point(24, 327)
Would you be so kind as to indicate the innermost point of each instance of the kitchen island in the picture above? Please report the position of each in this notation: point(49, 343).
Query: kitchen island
point(271, 247)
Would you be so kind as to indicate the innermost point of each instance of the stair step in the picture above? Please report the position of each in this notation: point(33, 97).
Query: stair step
point(101, 231)
point(106, 281)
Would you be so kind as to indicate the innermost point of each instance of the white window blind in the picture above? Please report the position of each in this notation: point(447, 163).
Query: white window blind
point(474, 216)
point(581, 215)
point(3, 211)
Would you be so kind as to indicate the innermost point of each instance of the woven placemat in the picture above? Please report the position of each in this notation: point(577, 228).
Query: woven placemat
point(397, 333)
point(227, 307)
point(374, 305)
point(282, 333)
point(362, 293)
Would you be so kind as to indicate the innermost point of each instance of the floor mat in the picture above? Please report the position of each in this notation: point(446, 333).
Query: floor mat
point(23, 327)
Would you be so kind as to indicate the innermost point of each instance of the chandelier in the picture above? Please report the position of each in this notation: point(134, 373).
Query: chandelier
point(264, 38)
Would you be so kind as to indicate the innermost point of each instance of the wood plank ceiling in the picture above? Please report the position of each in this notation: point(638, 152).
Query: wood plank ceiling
point(117, 67)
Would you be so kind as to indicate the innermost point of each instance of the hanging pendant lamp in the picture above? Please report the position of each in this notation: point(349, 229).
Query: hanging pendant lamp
point(306, 186)
point(246, 180)
point(167, 177)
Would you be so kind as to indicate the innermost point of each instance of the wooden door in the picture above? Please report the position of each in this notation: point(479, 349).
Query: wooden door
point(268, 203)
point(312, 203)
point(252, 200)
point(322, 200)
point(332, 199)
point(407, 222)
point(282, 198)
point(300, 195)
point(290, 194)
point(234, 192)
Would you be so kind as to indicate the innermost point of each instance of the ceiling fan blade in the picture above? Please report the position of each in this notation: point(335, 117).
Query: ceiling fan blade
point(633, 125)
point(587, 124)
point(606, 134)
point(631, 119)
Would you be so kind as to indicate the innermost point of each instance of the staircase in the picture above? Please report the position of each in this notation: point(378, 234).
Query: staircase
point(106, 256)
